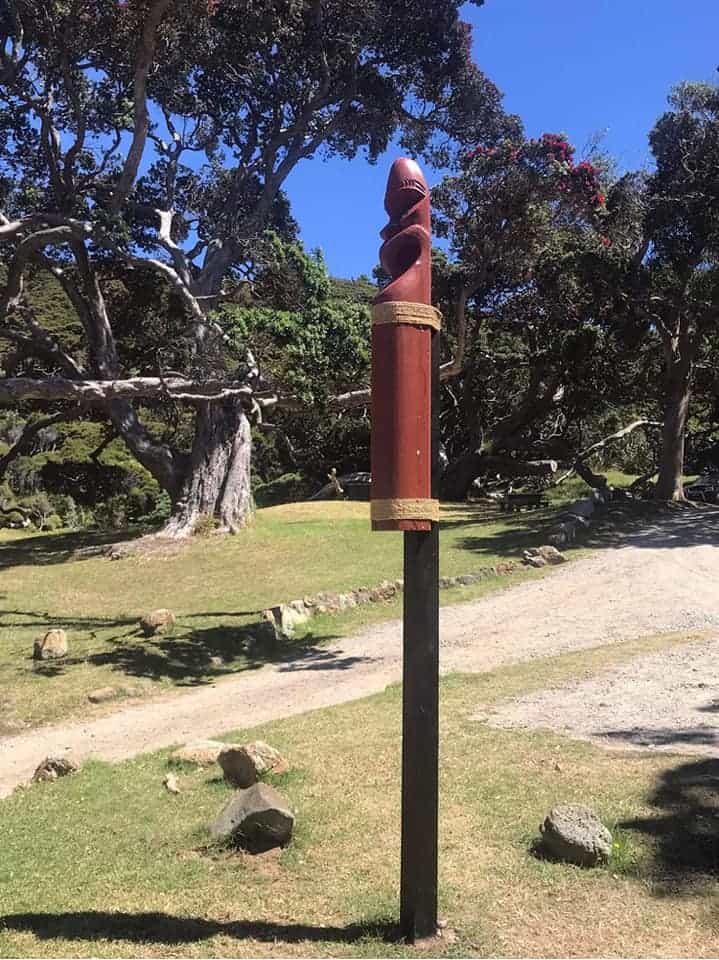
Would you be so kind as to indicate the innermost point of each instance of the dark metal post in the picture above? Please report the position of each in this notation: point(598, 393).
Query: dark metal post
point(420, 711)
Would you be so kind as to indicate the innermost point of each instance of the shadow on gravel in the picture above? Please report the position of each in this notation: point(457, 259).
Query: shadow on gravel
point(627, 522)
point(641, 523)
point(163, 928)
point(663, 736)
point(685, 830)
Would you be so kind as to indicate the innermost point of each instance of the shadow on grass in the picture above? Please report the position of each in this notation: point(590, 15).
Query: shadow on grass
point(163, 928)
point(685, 831)
point(192, 658)
point(187, 657)
point(45, 549)
point(520, 532)
point(49, 621)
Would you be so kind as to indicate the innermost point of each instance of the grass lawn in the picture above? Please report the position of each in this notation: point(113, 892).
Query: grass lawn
point(107, 863)
point(217, 587)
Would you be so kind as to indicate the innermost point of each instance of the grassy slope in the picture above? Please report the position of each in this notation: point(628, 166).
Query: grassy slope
point(107, 863)
point(217, 588)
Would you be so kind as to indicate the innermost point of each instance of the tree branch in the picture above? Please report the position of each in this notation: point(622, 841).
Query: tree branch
point(145, 55)
point(15, 389)
point(31, 430)
point(582, 457)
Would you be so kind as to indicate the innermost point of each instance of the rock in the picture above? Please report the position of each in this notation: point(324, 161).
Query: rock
point(287, 617)
point(466, 579)
point(387, 589)
point(217, 662)
point(548, 553)
point(104, 694)
point(266, 758)
point(52, 768)
point(201, 752)
point(238, 766)
point(258, 817)
point(505, 567)
point(543, 556)
point(157, 622)
point(331, 602)
point(534, 560)
point(170, 783)
point(52, 646)
point(244, 765)
point(574, 833)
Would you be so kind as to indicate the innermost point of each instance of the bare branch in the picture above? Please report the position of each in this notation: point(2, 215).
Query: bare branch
point(31, 430)
point(453, 367)
point(351, 400)
point(582, 457)
point(36, 241)
point(145, 55)
point(178, 255)
point(14, 389)
point(41, 343)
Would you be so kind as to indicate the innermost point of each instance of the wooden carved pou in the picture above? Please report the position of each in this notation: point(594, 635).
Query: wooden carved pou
point(403, 321)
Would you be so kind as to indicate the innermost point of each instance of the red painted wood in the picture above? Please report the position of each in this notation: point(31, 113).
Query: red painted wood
point(401, 353)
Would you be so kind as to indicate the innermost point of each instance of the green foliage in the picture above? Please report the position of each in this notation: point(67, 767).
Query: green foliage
point(112, 513)
point(311, 339)
point(527, 227)
point(53, 522)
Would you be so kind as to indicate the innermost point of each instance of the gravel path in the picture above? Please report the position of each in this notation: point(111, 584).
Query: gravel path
point(666, 701)
point(662, 579)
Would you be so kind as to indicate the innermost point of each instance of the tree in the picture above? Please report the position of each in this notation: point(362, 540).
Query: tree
point(679, 275)
point(153, 138)
point(530, 346)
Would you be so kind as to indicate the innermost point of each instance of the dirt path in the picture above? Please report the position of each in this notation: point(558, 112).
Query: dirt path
point(662, 579)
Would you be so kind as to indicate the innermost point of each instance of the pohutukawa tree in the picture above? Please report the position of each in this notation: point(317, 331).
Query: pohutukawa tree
point(155, 136)
point(678, 275)
point(522, 218)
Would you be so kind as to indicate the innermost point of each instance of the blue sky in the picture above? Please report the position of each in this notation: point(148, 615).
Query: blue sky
point(580, 68)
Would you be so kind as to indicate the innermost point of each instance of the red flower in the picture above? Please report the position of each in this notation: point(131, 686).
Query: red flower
point(601, 199)
point(606, 241)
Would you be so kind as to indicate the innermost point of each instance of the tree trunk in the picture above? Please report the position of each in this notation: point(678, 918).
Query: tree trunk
point(671, 462)
point(217, 481)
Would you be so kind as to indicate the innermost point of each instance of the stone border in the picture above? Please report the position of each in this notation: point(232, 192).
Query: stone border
point(285, 617)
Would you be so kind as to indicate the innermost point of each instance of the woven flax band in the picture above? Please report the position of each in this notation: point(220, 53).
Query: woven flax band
point(400, 311)
point(404, 510)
